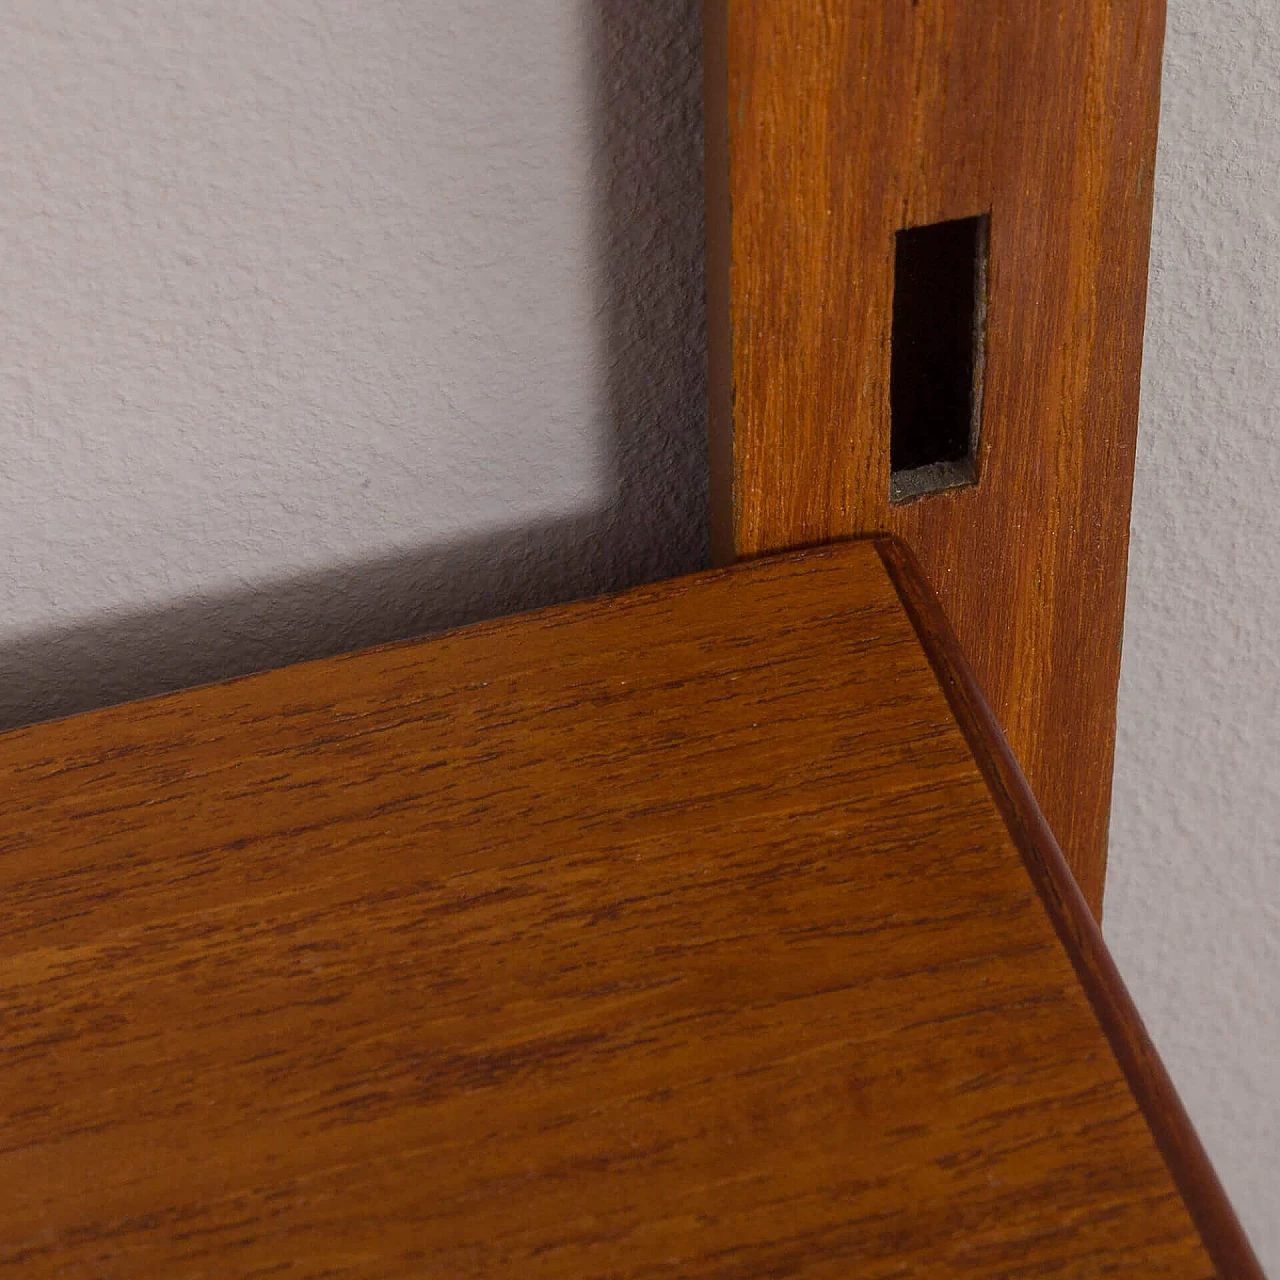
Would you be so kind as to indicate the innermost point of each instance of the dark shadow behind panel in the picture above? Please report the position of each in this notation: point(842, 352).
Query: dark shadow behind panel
point(935, 386)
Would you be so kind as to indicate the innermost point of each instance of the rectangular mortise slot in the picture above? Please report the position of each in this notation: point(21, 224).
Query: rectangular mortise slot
point(935, 380)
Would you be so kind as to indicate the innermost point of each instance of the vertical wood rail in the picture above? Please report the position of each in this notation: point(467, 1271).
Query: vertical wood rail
point(832, 125)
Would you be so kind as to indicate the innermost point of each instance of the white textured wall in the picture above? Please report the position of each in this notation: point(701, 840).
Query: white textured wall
point(329, 321)
point(1193, 889)
point(325, 322)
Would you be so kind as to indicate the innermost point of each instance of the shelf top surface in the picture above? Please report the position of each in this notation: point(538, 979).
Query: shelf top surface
point(673, 933)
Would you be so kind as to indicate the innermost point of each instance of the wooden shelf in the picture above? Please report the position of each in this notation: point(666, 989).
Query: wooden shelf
point(705, 930)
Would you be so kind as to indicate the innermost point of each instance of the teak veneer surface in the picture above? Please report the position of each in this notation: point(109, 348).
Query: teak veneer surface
point(674, 933)
point(830, 127)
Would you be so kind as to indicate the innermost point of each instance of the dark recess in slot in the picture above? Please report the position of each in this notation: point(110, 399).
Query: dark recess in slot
point(935, 380)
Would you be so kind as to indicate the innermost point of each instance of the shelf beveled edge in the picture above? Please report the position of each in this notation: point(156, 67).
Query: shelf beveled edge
point(1077, 930)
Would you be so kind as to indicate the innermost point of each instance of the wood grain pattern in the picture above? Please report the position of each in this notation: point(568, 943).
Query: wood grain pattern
point(831, 126)
point(674, 933)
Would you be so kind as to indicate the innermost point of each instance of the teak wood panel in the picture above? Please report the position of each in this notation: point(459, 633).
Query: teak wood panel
point(672, 933)
point(831, 125)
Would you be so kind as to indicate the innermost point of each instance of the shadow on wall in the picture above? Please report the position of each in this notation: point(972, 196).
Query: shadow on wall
point(645, 82)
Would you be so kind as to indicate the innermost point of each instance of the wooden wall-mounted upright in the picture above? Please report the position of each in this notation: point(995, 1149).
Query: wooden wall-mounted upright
point(833, 124)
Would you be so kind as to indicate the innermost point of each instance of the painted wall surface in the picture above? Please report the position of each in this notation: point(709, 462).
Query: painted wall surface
point(1193, 886)
point(325, 323)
